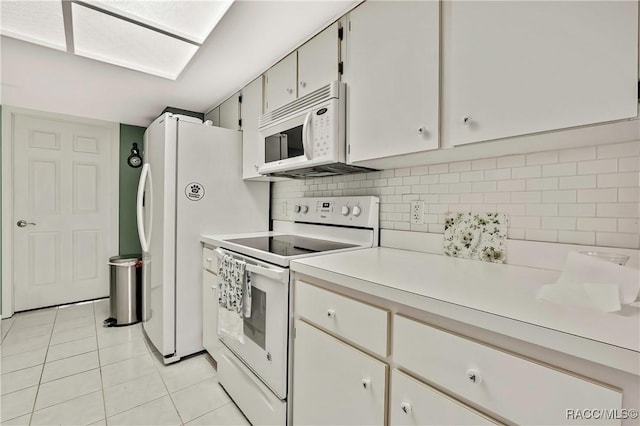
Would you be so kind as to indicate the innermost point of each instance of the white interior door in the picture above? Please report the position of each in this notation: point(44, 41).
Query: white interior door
point(63, 227)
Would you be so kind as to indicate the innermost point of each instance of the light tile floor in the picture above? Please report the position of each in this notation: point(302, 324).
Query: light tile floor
point(60, 366)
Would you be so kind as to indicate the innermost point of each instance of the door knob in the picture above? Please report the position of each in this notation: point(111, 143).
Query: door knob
point(23, 223)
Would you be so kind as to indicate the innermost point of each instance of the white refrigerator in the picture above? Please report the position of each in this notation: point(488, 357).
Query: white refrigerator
point(190, 184)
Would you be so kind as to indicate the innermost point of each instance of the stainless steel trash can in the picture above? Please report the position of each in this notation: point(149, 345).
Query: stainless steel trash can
point(125, 290)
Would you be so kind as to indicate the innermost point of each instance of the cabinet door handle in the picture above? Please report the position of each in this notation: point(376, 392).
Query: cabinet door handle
point(289, 91)
point(473, 376)
point(466, 120)
point(331, 313)
point(405, 407)
point(303, 84)
point(422, 130)
point(366, 383)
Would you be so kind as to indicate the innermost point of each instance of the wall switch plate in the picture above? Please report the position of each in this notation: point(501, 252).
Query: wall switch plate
point(417, 212)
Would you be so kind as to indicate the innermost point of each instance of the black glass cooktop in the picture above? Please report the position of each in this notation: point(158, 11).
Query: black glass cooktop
point(289, 245)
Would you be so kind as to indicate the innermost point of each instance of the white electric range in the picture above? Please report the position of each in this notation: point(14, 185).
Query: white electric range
point(255, 373)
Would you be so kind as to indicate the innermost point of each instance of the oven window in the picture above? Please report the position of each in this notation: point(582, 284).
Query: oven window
point(283, 145)
point(255, 327)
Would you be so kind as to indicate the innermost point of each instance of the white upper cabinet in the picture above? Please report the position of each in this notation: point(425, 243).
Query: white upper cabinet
point(313, 65)
point(230, 113)
point(391, 69)
point(252, 144)
point(318, 60)
point(280, 83)
point(520, 67)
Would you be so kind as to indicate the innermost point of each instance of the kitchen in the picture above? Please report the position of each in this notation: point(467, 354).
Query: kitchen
point(448, 129)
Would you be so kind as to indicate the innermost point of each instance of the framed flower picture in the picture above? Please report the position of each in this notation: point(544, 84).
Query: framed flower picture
point(478, 236)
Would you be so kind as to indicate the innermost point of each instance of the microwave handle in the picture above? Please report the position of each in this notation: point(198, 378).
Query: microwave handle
point(306, 142)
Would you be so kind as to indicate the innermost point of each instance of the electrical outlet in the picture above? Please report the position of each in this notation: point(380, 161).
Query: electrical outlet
point(417, 212)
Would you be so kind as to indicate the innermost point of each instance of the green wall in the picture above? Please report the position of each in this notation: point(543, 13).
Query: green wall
point(129, 176)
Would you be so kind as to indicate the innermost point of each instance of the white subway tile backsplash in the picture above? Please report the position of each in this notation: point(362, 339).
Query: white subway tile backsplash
point(563, 196)
point(597, 195)
point(577, 154)
point(577, 182)
point(438, 169)
point(627, 149)
point(617, 180)
point(483, 186)
point(542, 183)
point(460, 166)
point(562, 169)
point(541, 235)
point(510, 161)
point(460, 187)
point(497, 198)
point(628, 225)
point(512, 185)
point(473, 176)
point(630, 164)
point(424, 180)
point(586, 195)
point(617, 239)
point(526, 197)
point(566, 223)
point(597, 166)
point(497, 174)
point(526, 172)
point(483, 164)
point(629, 195)
point(577, 237)
point(542, 209)
point(546, 157)
point(630, 210)
point(450, 178)
point(577, 210)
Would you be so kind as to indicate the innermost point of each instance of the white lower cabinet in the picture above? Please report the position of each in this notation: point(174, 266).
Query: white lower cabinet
point(515, 388)
point(334, 383)
point(414, 403)
point(210, 312)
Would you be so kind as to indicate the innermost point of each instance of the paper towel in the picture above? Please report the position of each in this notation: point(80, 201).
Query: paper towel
point(594, 283)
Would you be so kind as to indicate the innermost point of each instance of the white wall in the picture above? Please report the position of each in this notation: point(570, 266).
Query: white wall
point(586, 195)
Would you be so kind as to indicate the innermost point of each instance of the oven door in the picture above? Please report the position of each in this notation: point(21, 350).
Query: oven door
point(264, 349)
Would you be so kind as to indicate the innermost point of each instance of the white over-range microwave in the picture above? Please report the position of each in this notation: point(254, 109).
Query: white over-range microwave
point(307, 137)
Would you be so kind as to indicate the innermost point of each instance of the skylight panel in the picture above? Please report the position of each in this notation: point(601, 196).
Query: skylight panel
point(38, 22)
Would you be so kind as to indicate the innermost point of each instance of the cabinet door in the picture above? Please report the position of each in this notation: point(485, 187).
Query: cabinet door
point(210, 312)
point(512, 68)
point(280, 83)
point(252, 143)
point(414, 403)
point(230, 113)
point(334, 383)
point(214, 116)
point(391, 70)
point(318, 61)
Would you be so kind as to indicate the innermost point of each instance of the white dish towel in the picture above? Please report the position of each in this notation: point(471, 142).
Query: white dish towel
point(234, 297)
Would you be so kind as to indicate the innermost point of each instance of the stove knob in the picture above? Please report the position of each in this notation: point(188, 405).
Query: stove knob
point(296, 209)
point(356, 211)
point(345, 210)
point(304, 209)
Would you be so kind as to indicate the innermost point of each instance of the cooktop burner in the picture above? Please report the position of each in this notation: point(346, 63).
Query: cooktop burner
point(290, 245)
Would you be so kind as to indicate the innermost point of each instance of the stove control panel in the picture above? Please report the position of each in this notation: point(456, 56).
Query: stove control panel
point(348, 211)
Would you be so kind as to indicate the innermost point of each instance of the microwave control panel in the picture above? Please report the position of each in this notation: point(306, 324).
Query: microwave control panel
point(323, 129)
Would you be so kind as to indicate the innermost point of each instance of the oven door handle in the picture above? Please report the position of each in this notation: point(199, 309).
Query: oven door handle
point(273, 274)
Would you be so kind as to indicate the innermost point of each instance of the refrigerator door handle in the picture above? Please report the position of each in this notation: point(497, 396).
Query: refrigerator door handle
point(139, 208)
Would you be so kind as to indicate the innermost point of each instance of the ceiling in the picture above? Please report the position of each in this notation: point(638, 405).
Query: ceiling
point(250, 38)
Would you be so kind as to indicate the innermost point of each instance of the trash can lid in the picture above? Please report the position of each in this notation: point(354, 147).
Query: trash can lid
point(125, 258)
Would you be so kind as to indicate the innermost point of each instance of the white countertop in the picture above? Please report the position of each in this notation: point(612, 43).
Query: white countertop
point(497, 297)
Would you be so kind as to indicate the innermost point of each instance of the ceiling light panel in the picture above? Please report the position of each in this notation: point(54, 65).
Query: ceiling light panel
point(188, 19)
point(37, 22)
point(106, 38)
